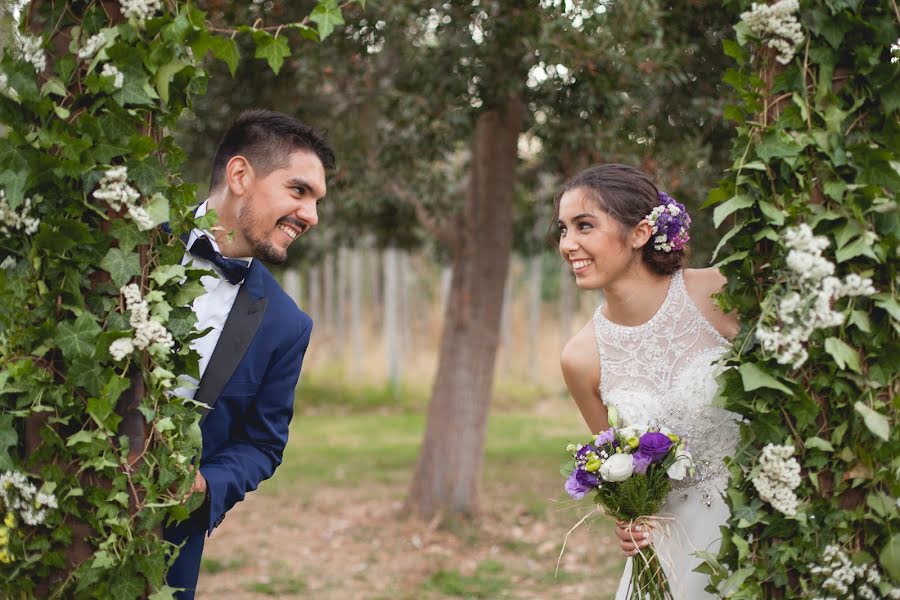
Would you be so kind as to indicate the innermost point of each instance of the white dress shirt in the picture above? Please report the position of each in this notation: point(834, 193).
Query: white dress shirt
point(211, 308)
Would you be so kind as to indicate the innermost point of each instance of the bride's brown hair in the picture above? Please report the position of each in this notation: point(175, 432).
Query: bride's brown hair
point(627, 195)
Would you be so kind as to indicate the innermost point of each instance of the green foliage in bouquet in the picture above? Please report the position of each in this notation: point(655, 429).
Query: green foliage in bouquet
point(810, 254)
point(637, 495)
point(95, 317)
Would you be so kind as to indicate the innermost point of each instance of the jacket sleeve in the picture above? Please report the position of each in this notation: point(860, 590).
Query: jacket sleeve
point(254, 452)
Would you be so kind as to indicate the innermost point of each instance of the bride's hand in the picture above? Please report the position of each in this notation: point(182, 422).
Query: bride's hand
point(633, 537)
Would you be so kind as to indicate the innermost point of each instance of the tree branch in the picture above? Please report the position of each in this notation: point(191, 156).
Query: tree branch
point(441, 229)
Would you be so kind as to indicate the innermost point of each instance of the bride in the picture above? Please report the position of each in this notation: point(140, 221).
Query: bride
point(649, 350)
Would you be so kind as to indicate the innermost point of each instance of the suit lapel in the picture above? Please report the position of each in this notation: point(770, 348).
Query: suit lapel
point(243, 320)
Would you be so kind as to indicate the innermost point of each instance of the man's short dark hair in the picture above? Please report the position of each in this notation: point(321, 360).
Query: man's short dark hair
point(267, 139)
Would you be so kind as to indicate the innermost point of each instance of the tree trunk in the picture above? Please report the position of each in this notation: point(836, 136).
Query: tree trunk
point(449, 465)
point(534, 314)
point(392, 315)
point(356, 343)
point(506, 325)
point(340, 325)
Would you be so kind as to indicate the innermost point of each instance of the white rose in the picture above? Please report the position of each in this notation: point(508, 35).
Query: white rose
point(683, 463)
point(633, 431)
point(617, 467)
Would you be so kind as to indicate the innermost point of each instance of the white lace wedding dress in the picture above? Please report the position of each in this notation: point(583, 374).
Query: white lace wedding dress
point(663, 370)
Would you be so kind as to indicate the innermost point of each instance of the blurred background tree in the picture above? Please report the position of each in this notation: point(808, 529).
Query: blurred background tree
point(455, 123)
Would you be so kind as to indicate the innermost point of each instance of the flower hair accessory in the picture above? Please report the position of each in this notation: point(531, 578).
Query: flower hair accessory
point(670, 221)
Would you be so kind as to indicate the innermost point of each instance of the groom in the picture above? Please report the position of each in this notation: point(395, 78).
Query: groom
point(267, 177)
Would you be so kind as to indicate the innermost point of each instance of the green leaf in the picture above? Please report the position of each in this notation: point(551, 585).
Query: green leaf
point(819, 444)
point(128, 234)
point(843, 354)
point(728, 207)
point(754, 377)
point(8, 439)
point(77, 338)
point(876, 422)
point(772, 213)
point(890, 557)
point(326, 15)
point(861, 247)
point(164, 76)
point(158, 209)
point(121, 266)
point(165, 273)
point(80, 437)
point(226, 50)
point(13, 185)
point(273, 49)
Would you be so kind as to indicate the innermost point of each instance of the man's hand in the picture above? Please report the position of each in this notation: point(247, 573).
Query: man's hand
point(199, 486)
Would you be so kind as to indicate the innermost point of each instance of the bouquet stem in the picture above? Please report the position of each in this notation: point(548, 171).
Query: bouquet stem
point(648, 580)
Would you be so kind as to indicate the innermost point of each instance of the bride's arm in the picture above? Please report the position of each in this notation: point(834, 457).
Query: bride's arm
point(580, 364)
point(701, 284)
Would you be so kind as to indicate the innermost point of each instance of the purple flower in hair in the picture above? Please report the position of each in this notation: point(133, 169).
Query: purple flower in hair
point(670, 222)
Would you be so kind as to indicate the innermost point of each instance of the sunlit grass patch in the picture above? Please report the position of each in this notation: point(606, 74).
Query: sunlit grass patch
point(279, 587)
point(212, 565)
point(488, 581)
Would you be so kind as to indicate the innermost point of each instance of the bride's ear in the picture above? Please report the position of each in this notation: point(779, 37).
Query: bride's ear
point(640, 235)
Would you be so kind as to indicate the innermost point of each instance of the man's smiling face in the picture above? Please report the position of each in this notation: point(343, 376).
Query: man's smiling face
point(280, 206)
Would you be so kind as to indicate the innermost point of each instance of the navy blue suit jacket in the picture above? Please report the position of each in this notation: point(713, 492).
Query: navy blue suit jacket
point(249, 382)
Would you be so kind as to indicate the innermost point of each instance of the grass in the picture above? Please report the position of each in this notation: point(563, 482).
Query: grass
point(488, 581)
point(279, 586)
point(213, 566)
point(350, 449)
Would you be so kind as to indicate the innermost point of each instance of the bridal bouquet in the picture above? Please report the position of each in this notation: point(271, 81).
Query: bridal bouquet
point(630, 470)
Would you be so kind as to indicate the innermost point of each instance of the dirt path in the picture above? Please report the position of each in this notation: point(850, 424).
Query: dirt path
point(343, 544)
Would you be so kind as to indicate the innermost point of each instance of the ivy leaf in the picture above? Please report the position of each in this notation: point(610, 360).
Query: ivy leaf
point(326, 15)
point(164, 76)
point(121, 266)
point(726, 208)
point(226, 50)
point(273, 49)
point(165, 273)
point(843, 354)
point(77, 338)
point(819, 444)
point(890, 557)
point(754, 378)
point(876, 422)
point(8, 439)
point(13, 184)
point(128, 234)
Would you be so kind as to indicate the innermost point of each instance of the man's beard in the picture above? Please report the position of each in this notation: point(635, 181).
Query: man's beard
point(263, 249)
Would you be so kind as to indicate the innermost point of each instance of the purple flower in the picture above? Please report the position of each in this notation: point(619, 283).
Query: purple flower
point(580, 483)
point(654, 445)
point(605, 437)
point(641, 462)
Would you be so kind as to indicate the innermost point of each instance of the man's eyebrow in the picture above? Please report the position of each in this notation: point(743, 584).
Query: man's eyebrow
point(295, 182)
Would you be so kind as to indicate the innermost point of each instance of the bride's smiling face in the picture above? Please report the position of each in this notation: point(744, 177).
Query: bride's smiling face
point(595, 245)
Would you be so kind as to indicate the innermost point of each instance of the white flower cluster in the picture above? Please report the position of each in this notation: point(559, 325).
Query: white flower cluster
point(778, 479)
point(20, 496)
point(147, 330)
point(30, 49)
point(110, 70)
point(118, 194)
point(140, 10)
point(91, 46)
point(777, 25)
point(6, 89)
point(20, 220)
point(807, 306)
point(846, 581)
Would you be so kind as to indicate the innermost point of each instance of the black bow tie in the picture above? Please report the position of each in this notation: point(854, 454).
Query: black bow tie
point(234, 269)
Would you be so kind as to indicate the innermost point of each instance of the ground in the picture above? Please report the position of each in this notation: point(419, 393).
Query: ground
point(331, 522)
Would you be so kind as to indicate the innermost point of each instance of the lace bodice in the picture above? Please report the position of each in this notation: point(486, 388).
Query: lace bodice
point(664, 371)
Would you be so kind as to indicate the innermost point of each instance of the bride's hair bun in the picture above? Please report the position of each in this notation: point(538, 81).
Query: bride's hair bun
point(629, 196)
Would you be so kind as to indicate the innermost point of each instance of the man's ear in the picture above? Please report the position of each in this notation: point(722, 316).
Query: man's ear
point(641, 234)
point(238, 175)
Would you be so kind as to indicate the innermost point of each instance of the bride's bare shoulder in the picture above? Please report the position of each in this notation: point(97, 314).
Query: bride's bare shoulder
point(579, 355)
point(701, 285)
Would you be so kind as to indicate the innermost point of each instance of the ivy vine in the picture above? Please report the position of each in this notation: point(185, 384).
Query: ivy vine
point(811, 258)
point(95, 317)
